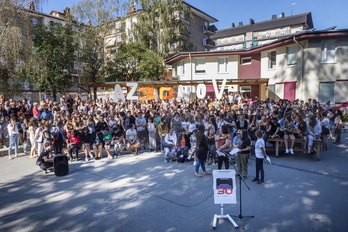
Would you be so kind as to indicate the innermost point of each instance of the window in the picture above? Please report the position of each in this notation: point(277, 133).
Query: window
point(34, 21)
point(118, 26)
point(328, 51)
point(119, 38)
point(222, 64)
point(200, 65)
point(183, 68)
point(174, 71)
point(282, 31)
point(272, 58)
point(291, 55)
point(245, 60)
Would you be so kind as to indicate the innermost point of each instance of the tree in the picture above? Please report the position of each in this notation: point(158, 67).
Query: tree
point(15, 45)
point(134, 62)
point(160, 26)
point(54, 51)
point(95, 17)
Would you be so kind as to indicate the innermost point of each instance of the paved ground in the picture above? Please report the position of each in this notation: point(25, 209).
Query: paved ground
point(142, 193)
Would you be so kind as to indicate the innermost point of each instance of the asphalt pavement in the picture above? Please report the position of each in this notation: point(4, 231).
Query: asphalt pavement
point(142, 193)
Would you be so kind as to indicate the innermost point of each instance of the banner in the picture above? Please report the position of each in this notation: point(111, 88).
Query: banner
point(224, 185)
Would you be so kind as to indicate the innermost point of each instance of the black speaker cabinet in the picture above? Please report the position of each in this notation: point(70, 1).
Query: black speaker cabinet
point(61, 165)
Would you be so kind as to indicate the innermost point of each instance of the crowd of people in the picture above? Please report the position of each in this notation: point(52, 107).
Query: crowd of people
point(202, 130)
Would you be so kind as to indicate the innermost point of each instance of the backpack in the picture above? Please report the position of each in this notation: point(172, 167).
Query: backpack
point(181, 158)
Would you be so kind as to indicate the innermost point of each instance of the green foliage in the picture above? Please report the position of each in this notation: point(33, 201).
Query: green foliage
point(91, 54)
point(54, 51)
point(15, 45)
point(134, 62)
point(160, 26)
point(96, 12)
point(345, 118)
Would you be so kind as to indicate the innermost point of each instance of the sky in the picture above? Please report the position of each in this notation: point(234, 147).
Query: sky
point(325, 13)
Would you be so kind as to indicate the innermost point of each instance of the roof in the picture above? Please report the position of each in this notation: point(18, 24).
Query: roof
point(281, 42)
point(305, 18)
point(202, 14)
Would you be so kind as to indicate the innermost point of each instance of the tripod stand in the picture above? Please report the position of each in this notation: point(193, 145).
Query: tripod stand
point(240, 216)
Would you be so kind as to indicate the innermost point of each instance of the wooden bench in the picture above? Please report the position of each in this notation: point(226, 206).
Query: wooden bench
point(82, 151)
point(277, 141)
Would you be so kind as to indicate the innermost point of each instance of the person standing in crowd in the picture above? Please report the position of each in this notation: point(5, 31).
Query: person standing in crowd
point(201, 151)
point(338, 126)
point(331, 117)
point(223, 143)
point(13, 133)
point(140, 124)
point(229, 121)
point(151, 128)
point(3, 125)
point(39, 138)
point(313, 131)
point(243, 154)
point(25, 133)
point(33, 143)
point(260, 153)
point(211, 145)
point(162, 130)
point(36, 111)
point(58, 134)
point(176, 123)
point(242, 123)
point(325, 130)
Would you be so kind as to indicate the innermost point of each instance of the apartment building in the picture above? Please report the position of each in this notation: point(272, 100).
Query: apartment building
point(200, 28)
point(310, 64)
point(261, 33)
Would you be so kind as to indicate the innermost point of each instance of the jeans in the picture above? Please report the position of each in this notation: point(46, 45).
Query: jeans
point(201, 163)
point(259, 169)
point(167, 151)
point(25, 146)
point(14, 141)
point(183, 150)
point(212, 152)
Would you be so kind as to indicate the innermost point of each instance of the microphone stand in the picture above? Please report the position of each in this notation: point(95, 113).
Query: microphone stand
point(240, 216)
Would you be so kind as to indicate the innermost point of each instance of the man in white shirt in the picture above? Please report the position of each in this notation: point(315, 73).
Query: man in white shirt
point(132, 139)
point(170, 145)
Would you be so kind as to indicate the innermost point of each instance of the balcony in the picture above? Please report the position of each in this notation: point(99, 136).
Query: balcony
point(209, 30)
point(208, 43)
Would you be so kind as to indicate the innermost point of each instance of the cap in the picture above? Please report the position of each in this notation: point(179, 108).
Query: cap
point(239, 131)
point(35, 103)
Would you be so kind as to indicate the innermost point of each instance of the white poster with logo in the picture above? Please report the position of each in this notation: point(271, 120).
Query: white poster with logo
point(224, 185)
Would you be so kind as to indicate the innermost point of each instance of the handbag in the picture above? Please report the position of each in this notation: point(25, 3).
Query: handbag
point(168, 145)
point(324, 130)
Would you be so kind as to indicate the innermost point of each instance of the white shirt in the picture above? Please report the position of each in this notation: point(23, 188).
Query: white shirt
point(10, 129)
point(170, 139)
point(131, 134)
point(258, 152)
